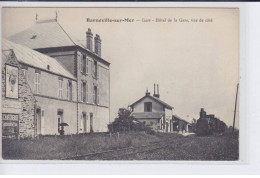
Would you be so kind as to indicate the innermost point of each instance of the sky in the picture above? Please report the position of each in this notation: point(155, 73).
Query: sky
point(196, 64)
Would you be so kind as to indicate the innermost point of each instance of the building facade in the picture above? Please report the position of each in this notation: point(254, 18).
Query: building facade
point(18, 101)
point(153, 112)
point(180, 125)
point(69, 81)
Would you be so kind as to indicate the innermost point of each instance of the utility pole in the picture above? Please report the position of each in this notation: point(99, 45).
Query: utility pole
point(56, 16)
point(235, 111)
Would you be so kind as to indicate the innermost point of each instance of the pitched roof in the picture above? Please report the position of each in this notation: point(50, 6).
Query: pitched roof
point(155, 99)
point(43, 34)
point(178, 118)
point(48, 34)
point(5, 55)
point(33, 58)
point(147, 115)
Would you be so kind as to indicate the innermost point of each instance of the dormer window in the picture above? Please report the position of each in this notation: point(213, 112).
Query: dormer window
point(34, 36)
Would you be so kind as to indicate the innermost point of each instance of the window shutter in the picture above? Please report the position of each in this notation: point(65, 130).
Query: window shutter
point(81, 91)
point(73, 93)
point(97, 71)
point(58, 88)
point(86, 65)
point(92, 68)
point(68, 88)
point(80, 63)
point(86, 91)
point(38, 83)
point(35, 82)
point(97, 95)
point(94, 94)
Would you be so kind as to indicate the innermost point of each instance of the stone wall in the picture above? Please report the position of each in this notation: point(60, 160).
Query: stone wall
point(26, 122)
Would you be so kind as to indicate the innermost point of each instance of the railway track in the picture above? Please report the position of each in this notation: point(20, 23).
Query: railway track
point(122, 152)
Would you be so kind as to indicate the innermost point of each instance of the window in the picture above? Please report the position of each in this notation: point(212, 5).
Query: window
point(84, 122)
point(25, 74)
point(95, 69)
point(37, 83)
point(69, 90)
point(60, 88)
point(148, 107)
point(95, 95)
point(83, 64)
point(83, 92)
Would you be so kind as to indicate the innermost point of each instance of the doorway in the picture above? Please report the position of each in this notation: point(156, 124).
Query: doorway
point(38, 121)
point(91, 122)
point(60, 120)
point(84, 117)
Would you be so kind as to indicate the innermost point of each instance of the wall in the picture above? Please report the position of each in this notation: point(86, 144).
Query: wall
point(156, 107)
point(168, 114)
point(101, 110)
point(100, 117)
point(66, 58)
point(49, 120)
point(49, 84)
point(25, 118)
point(48, 101)
point(153, 123)
point(72, 60)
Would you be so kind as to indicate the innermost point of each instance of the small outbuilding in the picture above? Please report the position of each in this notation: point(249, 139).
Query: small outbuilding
point(180, 125)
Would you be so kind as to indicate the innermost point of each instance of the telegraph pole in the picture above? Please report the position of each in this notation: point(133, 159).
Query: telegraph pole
point(235, 111)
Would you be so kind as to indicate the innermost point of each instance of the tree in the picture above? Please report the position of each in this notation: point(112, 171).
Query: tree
point(124, 122)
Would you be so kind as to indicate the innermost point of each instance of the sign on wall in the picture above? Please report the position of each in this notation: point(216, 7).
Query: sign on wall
point(11, 82)
point(11, 106)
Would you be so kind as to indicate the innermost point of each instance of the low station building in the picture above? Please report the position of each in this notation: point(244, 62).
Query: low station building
point(157, 114)
point(180, 125)
point(153, 112)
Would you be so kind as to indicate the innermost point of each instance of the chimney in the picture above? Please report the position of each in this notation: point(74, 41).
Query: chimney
point(156, 94)
point(202, 113)
point(158, 91)
point(98, 45)
point(89, 39)
point(154, 90)
point(147, 93)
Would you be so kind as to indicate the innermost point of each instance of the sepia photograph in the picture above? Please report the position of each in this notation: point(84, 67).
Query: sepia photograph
point(128, 84)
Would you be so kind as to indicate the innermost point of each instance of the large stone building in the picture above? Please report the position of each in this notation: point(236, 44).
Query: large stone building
point(69, 81)
point(153, 112)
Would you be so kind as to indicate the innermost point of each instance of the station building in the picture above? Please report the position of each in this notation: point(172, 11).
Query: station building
point(69, 82)
point(153, 112)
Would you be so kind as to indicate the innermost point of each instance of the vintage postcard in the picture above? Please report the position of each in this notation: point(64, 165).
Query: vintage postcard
point(150, 84)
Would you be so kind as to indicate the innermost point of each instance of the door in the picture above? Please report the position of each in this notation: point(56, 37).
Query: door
point(167, 125)
point(84, 123)
point(38, 121)
point(91, 122)
point(60, 128)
